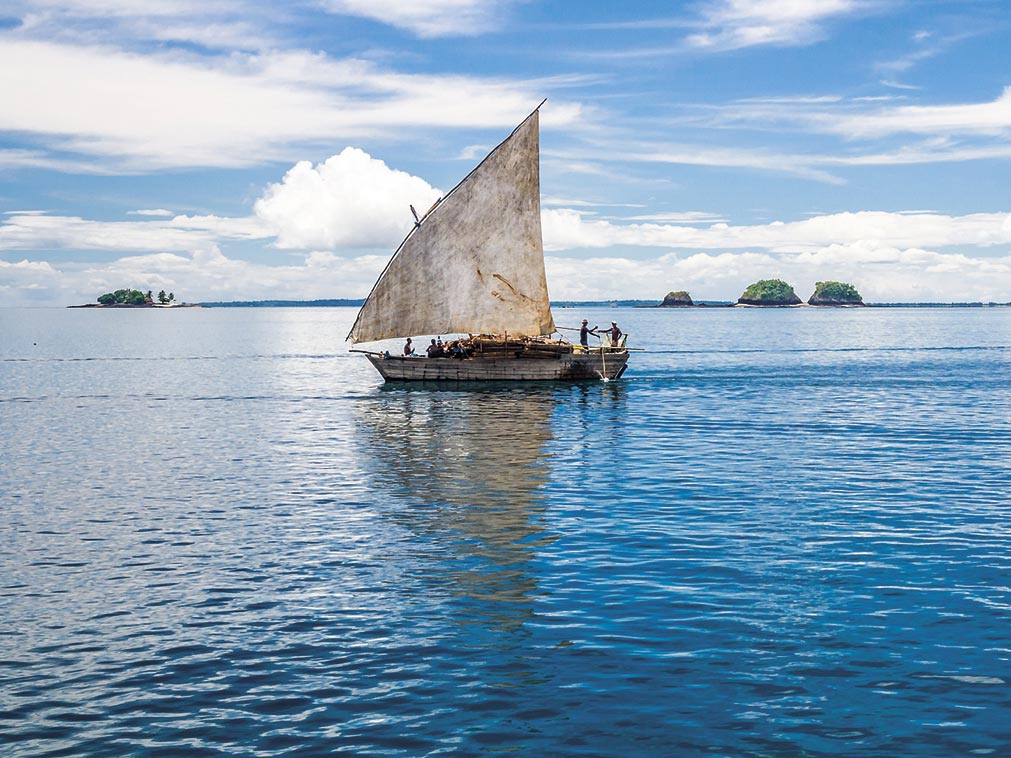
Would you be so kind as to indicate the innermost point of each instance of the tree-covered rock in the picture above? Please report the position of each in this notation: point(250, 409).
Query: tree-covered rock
point(835, 293)
point(769, 292)
point(677, 299)
point(122, 297)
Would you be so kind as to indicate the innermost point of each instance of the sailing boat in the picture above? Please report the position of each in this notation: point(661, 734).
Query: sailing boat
point(474, 264)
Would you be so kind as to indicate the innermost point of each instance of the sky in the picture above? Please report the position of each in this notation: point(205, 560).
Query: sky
point(241, 150)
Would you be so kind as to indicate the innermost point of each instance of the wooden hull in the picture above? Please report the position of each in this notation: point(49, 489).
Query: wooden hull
point(568, 367)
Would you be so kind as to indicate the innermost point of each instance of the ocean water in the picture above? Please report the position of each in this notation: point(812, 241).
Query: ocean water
point(782, 533)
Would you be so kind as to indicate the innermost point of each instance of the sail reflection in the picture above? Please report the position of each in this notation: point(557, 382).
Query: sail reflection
point(466, 472)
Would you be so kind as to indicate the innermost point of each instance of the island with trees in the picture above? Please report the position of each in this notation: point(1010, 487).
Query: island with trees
point(835, 293)
point(773, 293)
point(678, 299)
point(132, 298)
point(769, 293)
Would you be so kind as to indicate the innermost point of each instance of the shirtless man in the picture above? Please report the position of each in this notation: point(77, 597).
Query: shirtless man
point(614, 333)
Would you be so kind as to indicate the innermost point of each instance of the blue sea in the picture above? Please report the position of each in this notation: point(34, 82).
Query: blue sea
point(781, 533)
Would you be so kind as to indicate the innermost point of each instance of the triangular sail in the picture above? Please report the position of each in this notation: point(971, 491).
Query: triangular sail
point(475, 264)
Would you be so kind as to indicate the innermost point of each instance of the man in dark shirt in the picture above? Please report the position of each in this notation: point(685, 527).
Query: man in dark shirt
point(584, 332)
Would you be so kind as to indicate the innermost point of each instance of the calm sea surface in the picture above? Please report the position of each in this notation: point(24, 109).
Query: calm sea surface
point(783, 533)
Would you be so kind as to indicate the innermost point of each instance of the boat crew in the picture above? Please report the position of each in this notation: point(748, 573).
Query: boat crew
point(408, 347)
point(584, 332)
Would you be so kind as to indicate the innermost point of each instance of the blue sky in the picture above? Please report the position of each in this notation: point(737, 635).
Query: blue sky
point(236, 150)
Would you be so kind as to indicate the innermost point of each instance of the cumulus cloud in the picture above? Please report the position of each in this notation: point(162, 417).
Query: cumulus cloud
point(354, 201)
point(29, 283)
point(350, 200)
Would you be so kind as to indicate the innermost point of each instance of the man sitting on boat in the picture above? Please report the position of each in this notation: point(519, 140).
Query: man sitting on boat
point(435, 350)
point(408, 348)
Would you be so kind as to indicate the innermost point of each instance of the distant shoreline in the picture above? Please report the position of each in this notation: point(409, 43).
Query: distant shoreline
point(703, 304)
point(158, 306)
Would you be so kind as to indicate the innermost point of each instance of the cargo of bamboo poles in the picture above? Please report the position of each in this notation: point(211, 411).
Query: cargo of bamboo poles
point(504, 346)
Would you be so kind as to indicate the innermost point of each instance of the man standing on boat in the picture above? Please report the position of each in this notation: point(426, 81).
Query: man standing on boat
point(614, 333)
point(584, 332)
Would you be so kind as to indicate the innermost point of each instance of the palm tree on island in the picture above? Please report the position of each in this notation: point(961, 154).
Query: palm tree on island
point(134, 298)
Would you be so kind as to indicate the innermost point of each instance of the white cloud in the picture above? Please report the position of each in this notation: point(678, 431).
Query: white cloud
point(991, 118)
point(35, 231)
point(432, 18)
point(354, 201)
point(682, 217)
point(201, 276)
point(16, 158)
point(29, 283)
point(566, 229)
point(113, 8)
point(881, 274)
point(723, 25)
point(694, 155)
point(735, 24)
point(899, 85)
point(171, 109)
point(225, 24)
point(855, 119)
point(928, 46)
point(350, 200)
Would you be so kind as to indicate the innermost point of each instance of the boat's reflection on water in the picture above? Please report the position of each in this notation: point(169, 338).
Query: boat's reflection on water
point(464, 471)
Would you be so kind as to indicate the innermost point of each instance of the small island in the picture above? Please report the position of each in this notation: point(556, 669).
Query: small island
point(835, 293)
point(131, 298)
point(769, 293)
point(679, 299)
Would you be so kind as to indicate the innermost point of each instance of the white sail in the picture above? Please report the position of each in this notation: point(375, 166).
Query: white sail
point(475, 263)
